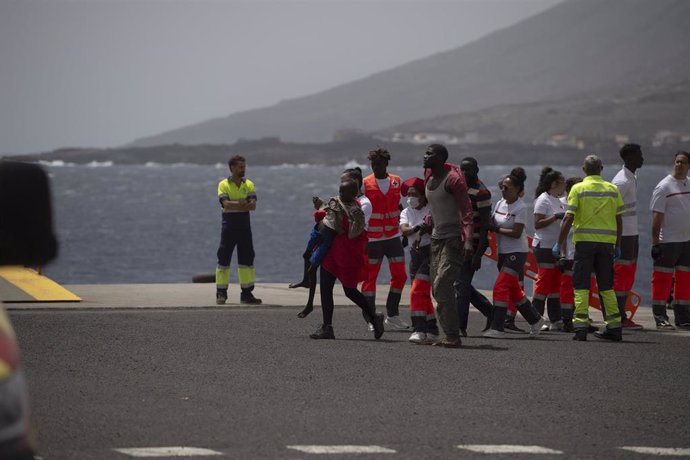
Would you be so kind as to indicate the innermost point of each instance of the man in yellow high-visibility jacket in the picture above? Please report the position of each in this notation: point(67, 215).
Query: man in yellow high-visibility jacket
point(594, 211)
point(237, 198)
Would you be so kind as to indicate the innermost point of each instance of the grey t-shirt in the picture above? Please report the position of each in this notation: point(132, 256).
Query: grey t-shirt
point(444, 211)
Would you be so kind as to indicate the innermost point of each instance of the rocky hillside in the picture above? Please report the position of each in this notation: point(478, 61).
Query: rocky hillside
point(577, 46)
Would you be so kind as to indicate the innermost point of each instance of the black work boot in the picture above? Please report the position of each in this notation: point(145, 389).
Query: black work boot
point(324, 332)
point(580, 335)
point(246, 297)
point(378, 325)
point(614, 335)
point(510, 325)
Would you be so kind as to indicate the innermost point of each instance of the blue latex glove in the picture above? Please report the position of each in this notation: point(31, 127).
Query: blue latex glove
point(556, 251)
point(616, 253)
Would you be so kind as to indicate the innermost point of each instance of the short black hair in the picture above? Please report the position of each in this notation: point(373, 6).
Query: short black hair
point(470, 160)
point(379, 152)
point(235, 159)
point(439, 150)
point(351, 186)
point(682, 152)
point(629, 149)
point(356, 174)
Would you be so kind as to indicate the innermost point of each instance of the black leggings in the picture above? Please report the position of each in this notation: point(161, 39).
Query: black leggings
point(327, 282)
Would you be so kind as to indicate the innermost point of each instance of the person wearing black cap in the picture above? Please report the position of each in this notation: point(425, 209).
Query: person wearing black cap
point(451, 238)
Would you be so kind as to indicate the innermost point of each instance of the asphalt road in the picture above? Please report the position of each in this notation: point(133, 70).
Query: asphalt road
point(248, 382)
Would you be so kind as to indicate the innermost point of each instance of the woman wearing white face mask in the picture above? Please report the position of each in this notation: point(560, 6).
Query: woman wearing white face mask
point(411, 225)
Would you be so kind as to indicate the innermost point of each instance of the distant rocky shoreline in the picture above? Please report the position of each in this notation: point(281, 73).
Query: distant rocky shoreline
point(272, 151)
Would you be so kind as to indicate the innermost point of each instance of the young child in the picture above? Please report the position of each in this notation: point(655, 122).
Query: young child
point(329, 223)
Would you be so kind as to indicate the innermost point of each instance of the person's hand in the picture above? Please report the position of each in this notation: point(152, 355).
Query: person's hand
point(657, 252)
point(559, 215)
point(616, 252)
point(421, 229)
point(469, 250)
point(416, 243)
point(556, 251)
point(318, 202)
point(476, 262)
point(562, 264)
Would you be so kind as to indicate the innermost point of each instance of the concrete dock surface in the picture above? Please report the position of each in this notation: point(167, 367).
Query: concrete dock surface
point(202, 295)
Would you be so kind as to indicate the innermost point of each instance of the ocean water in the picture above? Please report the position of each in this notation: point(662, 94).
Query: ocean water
point(161, 223)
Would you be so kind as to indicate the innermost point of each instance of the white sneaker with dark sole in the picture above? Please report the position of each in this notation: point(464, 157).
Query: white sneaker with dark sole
point(665, 326)
point(556, 326)
point(535, 329)
point(396, 324)
point(494, 334)
point(418, 337)
point(431, 338)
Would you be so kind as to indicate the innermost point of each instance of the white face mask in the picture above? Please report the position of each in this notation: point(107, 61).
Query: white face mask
point(413, 201)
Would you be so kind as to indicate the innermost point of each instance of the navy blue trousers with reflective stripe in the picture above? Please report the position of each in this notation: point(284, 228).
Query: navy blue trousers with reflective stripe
point(236, 232)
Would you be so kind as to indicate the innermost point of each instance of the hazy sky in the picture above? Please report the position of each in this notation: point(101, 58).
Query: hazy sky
point(102, 73)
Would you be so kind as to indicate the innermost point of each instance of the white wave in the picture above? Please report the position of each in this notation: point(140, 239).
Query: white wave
point(354, 164)
point(220, 166)
point(99, 164)
point(55, 163)
point(292, 166)
point(151, 164)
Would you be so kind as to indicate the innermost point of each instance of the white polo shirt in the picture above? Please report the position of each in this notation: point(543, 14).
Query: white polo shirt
point(547, 205)
point(672, 198)
point(367, 209)
point(412, 217)
point(506, 216)
point(570, 247)
point(626, 182)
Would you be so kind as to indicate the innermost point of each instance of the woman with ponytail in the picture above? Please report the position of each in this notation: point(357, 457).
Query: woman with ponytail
point(548, 214)
point(508, 222)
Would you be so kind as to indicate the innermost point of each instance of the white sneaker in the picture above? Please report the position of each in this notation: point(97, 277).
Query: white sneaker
point(535, 329)
point(395, 323)
point(418, 337)
point(557, 326)
point(545, 327)
point(494, 334)
point(370, 327)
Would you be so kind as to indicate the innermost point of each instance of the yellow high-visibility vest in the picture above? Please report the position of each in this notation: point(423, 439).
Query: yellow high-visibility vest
point(228, 190)
point(595, 204)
